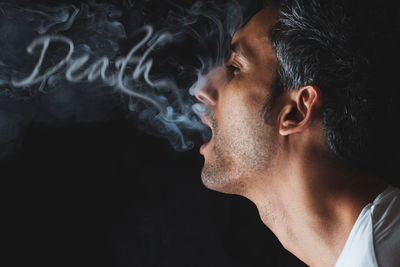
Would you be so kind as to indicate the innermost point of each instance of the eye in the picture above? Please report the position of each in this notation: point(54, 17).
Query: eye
point(234, 69)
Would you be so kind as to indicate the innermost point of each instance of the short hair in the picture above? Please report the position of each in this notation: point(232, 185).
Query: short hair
point(344, 49)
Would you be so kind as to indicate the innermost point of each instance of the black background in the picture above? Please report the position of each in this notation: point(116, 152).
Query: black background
point(107, 194)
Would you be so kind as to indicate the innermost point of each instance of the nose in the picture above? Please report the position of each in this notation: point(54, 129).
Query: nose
point(208, 91)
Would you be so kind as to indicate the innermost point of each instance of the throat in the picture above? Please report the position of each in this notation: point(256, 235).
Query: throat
point(314, 226)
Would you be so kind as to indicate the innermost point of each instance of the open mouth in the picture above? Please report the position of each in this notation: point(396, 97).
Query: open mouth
point(206, 134)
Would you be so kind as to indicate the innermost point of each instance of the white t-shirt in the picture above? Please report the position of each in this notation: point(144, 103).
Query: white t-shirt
point(375, 237)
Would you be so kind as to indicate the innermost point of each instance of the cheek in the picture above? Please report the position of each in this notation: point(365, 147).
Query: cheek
point(240, 105)
point(241, 100)
point(238, 116)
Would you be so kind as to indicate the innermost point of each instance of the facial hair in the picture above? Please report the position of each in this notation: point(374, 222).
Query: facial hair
point(238, 154)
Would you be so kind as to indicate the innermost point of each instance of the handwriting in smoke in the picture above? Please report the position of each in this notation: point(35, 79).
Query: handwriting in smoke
point(99, 68)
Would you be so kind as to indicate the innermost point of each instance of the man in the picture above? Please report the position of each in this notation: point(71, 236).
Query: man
point(290, 133)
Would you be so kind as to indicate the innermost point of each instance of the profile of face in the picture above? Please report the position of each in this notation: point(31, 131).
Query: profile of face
point(243, 145)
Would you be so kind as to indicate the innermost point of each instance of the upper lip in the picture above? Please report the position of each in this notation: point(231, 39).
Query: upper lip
point(206, 121)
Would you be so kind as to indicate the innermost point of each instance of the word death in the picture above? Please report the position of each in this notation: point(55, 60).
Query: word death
point(74, 73)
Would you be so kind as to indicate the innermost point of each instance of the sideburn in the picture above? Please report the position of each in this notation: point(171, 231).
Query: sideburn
point(269, 103)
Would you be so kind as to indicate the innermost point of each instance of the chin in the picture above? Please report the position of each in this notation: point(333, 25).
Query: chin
point(222, 182)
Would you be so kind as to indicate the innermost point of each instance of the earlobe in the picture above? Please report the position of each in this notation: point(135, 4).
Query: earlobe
point(299, 111)
point(289, 120)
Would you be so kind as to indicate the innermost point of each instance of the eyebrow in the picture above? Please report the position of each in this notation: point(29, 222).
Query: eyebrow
point(238, 49)
point(235, 47)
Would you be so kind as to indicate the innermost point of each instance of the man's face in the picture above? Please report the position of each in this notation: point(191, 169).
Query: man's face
point(242, 145)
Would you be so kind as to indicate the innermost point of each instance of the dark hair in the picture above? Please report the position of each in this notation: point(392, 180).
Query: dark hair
point(340, 48)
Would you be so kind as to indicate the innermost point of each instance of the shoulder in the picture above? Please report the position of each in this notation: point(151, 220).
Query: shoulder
point(386, 227)
point(375, 237)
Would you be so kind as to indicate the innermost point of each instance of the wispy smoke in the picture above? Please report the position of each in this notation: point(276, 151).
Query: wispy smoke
point(67, 62)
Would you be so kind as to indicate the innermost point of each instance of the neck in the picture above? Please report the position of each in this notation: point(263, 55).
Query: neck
point(312, 205)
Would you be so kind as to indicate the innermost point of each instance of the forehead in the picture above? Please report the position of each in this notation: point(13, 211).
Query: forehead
point(253, 38)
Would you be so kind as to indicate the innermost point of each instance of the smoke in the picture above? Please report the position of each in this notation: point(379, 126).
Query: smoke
point(62, 63)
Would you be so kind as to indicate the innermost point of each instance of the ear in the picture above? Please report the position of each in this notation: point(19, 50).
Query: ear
point(300, 110)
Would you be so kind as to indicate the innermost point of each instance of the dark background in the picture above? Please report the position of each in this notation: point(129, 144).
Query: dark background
point(105, 194)
point(108, 194)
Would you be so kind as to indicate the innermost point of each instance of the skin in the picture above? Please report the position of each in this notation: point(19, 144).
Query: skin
point(306, 197)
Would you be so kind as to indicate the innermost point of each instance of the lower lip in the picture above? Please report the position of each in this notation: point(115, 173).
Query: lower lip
point(203, 147)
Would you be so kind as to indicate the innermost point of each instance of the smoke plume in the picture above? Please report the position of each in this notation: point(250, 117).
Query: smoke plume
point(79, 62)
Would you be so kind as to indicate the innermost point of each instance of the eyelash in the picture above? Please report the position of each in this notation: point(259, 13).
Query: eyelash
point(233, 68)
